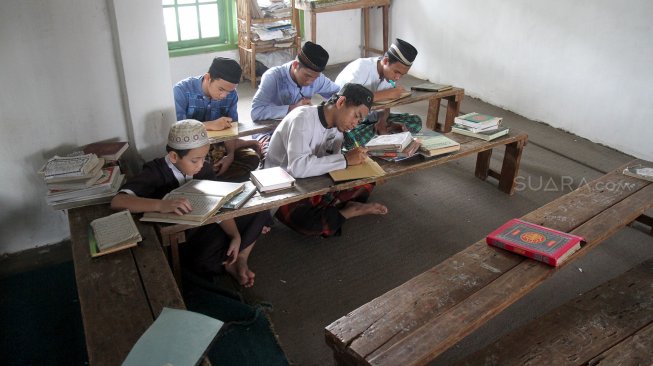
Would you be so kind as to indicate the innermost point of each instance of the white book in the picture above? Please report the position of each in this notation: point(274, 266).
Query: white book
point(395, 141)
point(478, 120)
point(271, 179)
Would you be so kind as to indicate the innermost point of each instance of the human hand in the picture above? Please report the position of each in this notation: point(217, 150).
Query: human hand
point(356, 156)
point(396, 92)
point(303, 101)
point(179, 206)
point(232, 252)
point(223, 164)
point(218, 124)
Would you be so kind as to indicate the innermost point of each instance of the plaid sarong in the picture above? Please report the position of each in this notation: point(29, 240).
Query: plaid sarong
point(245, 160)
point(365, 130)
point(320, 215)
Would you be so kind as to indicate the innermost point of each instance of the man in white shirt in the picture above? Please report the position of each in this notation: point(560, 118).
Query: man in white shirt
point(380, 74)
point(308, 143)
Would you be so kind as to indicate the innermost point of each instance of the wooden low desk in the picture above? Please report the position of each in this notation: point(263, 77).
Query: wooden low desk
point(365, 6)
point(453, 96)
point(122, 293)
point(173, 235)
point(417, 321)
point(248, 128)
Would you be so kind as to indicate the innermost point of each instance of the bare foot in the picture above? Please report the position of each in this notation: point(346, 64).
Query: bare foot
point(241, 272)
point(353, 209)
point(265, 230)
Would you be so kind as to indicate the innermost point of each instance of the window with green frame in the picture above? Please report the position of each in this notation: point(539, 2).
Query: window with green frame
point(197, 26)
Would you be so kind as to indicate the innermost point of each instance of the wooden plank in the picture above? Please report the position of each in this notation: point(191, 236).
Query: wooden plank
point(385, 318)
point(634, 350)
point(433, 338)
point(344, 6)
point(584, 327)
point(114, 306)
point(418, 96)
point(248, 128)
point(510, 167)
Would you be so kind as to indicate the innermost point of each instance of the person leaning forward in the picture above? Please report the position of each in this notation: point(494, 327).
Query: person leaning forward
point(212, 98)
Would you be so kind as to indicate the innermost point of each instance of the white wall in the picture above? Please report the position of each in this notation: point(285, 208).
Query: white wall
point(65, 85)
point(582, 66)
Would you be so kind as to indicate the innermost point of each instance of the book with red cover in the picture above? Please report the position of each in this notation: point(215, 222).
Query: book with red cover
point(534, 241)
point(109, 150)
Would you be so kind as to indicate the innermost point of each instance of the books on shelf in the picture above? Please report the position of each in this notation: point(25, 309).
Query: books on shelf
point(478, 120)
point(177, 337)
point(232, 131)
point(641, 171)
point(271, 179)
point(109, 150)
point(368, 169)
point(239, 200)
point(434, 143)
point(433, 87)
point(546, 245)
point(395, 141)
point(487, 134)
point(106, 183)
point(206, 197)
point(112, 233)
point(388, 101)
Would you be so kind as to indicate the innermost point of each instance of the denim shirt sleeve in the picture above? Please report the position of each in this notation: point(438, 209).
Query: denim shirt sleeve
point(181, 102)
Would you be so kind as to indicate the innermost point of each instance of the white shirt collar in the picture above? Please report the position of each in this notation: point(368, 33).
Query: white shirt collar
point(181, 177)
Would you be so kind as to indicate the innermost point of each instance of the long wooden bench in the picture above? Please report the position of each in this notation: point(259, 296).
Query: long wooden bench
point(416, 322)
point(122, 293)
point(173, 235)
point(611, 324)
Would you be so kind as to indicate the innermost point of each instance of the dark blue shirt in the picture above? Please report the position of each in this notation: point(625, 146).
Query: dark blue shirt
point(191, 103)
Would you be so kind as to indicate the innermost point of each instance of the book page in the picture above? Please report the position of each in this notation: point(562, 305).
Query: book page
point(202, 205)
point(209, 188)
point(369, 168)
point(115, 229)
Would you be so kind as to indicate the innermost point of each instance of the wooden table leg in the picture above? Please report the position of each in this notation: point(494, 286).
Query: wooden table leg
point(510, 166)
point(174, 240)
point(386, 18)
point(432, 114)
point(366, 31)
point(483, 164)
point(453, 110)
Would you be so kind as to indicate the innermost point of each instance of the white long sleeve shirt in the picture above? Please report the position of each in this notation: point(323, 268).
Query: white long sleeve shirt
point(304, 146)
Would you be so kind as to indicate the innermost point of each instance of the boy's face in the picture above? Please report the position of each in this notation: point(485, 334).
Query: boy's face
point(192, 162)
point(303, 75)
point(217, 88)
point(393, 71)
point(348, 117)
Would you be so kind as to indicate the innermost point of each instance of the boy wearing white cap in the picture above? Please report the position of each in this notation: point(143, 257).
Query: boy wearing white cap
point(210, 249)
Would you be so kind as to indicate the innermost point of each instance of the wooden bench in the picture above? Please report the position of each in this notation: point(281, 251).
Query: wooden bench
point(173, 235)
point(611, 324)
point(420, 319)
point(122, 293)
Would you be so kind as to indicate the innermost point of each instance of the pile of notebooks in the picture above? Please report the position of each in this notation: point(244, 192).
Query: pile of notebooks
point(479, 125)
point(393, 147)
point(83, 178)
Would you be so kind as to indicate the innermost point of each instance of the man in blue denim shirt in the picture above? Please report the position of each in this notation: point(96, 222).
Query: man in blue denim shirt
point(212, 98)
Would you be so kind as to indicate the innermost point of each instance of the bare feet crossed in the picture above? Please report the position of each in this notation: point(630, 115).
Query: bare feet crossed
point(241, 272)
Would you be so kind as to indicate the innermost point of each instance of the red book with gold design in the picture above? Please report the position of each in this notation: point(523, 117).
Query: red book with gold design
point(534, 241)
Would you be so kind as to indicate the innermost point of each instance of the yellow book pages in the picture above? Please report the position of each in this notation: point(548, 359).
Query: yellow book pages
point(369, 168)
point(227, 132)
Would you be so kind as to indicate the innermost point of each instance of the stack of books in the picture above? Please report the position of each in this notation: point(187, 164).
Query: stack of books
point(393, 147)
point(89, 176)
point(435, 144)
point(479, 125)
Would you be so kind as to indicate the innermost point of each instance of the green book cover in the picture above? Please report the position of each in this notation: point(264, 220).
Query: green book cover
point(432, 140)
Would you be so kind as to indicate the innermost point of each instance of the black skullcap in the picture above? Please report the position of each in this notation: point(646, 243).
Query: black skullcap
point(226, 69)
point(357, 94)
point(313, 56)
point(403, 51)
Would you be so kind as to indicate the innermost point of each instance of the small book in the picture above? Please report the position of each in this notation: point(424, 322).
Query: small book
point(113, 233)
point(239, 200)
point(69, 166)
point(368, 169)
point(206, 197)
point(431, 87)
point(395, 141)
point(271, 179)
point(487, 135)
point(109, 150)
point(388, 101)
point(66, 178)
point(546, 245)
point(641, 171)
point(227, 132)
point(434, 143)
point(478, 120)
point(76, 183)
point(177, 337)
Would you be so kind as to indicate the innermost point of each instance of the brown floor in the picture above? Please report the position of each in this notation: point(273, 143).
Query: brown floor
point(433, 214)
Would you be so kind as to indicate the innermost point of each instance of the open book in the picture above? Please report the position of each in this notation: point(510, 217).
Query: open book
point(113, 233)
point(206, 197)
point(369, 168)
point(227, 132)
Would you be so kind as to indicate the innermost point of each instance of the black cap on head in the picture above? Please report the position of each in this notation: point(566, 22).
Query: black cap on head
point(226, 69)
point(357, 94)
point(313, 56)
point(403, 51)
